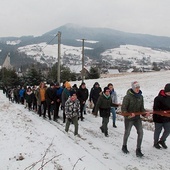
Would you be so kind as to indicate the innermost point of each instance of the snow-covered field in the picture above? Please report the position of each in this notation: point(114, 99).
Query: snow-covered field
point(28, 142)
point(134, 52)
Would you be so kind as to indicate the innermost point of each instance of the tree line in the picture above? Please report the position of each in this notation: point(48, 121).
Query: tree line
point(33, 75)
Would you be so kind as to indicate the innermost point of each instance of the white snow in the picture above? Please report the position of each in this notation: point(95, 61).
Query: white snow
point(50, 50)
point(13, 42)
point(134, 52)
point(89, 41)
point(24, 134)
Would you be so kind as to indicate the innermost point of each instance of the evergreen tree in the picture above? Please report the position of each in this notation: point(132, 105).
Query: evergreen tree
point(65, 74)
point(33, 77)
point(94, 73)
point(9, 77)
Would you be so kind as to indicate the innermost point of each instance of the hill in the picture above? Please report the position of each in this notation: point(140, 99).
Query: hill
point(43, 142)
point(104, 39)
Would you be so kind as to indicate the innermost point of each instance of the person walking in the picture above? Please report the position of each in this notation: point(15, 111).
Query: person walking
point(94, 94)
point(72, 109)
point(65, 95)
point(82, 95)
point(103, 105)
point(22, 95)
point(41, 100)
point(57, 101)
point(133, 102)
point(34, 103)
point(113, 95)
point(161, 103)
point(29, 97)
point(50, 97)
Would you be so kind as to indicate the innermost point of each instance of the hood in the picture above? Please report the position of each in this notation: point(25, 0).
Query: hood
point(162, 93)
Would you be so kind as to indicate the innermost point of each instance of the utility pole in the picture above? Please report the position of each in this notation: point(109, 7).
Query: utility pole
point(59, 56)
point(82, 72)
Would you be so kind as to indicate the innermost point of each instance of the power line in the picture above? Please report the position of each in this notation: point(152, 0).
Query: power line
point(49, 42)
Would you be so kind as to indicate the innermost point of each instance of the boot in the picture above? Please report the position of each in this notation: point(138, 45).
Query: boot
point(82, 118)
point(106, 134)
point(114, 125)
point(139, 153)
point(162, 143)
point(124, 149)
point(101, 129)
point(157, 146)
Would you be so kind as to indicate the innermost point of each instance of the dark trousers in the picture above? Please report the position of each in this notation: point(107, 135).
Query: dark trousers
point(56, 110)
point(158, 129)
point(29, 105)
point(43, 103)
point(74, 120)
point(49, 108)
point(128, 126)
point(105, 121)
point(34, 107)
point(81, 110)
point(94, 102)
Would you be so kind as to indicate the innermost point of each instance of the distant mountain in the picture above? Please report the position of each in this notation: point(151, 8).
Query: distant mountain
point(106, 39)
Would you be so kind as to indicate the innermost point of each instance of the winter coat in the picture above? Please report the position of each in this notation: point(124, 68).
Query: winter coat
point(72, 108)
point(37, 95)
point(50, 95)
point(29, 97)
point(58, 92)
point(133, 102)
point(82, 94)
point(95, 93)
point(65, 95)
point(104, 104)
point(161, 102)
point(113, 95)
point(22, 93)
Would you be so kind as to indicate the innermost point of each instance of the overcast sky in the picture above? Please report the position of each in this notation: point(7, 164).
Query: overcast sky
point(36, 17)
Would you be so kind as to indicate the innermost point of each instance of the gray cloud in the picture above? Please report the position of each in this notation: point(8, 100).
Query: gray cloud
point(35, 17)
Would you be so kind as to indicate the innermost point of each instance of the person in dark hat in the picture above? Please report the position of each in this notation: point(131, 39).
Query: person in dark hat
point(161, 103)
point(103, 105)
point(50, 97)
point(94, 94)
point(82, 95)
point(57, 100)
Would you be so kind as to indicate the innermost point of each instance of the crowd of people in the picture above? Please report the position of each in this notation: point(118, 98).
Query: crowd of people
point(72, 100)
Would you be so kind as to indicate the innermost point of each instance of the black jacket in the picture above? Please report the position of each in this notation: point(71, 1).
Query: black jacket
point(161, 102)
point(82, 94)
point(95, 93)
point(50, 95)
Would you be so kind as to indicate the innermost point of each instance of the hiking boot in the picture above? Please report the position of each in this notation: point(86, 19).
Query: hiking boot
point(114, 125)
point(157, 146)
point(139, 153)
point(106, 134)
point(101, 129)
point(124, 149)
point(162, 143)
point(82, 118)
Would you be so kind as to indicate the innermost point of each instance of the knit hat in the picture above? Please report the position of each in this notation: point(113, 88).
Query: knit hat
point(167, 88)
point(83, 83)
point(106, 88)
point(96, 83)
point(72, 92)
point(135, 85)
point(57, 84)
point(67, 84)
point(52, 84)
